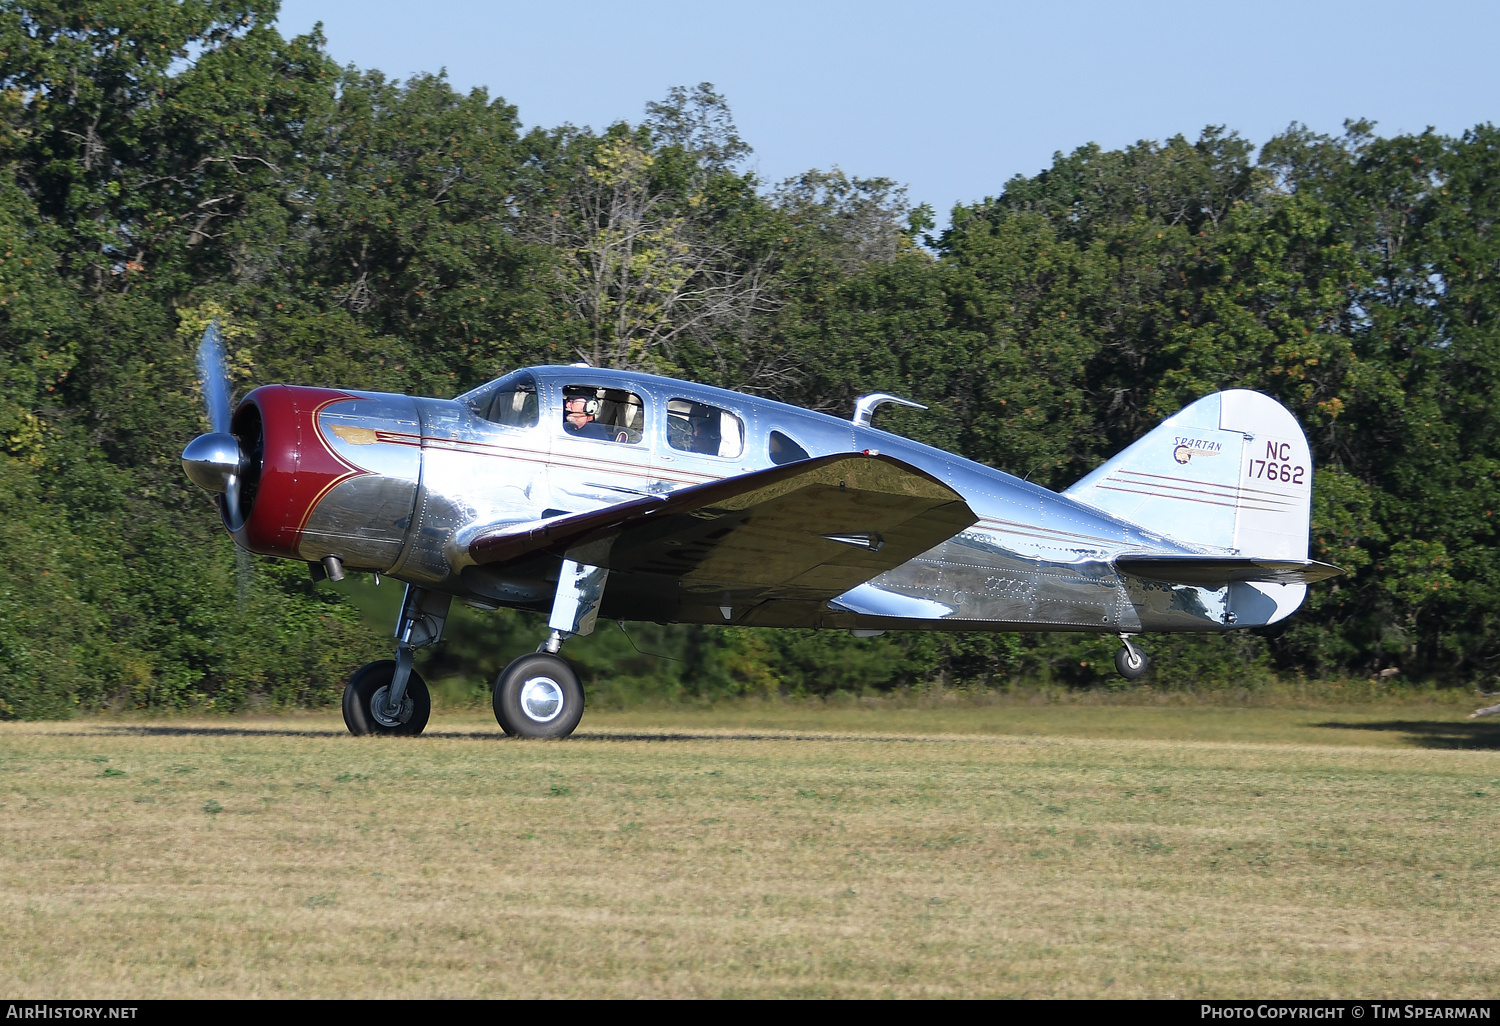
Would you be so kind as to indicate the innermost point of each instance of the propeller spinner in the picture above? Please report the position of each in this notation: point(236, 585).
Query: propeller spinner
point(215, 462)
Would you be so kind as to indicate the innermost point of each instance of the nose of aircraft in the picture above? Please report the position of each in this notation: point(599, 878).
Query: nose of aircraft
point(213, 461)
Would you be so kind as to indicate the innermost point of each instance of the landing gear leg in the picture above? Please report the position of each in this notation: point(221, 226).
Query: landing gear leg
point(389, 697)
point(1130, 661)
point(538, 695)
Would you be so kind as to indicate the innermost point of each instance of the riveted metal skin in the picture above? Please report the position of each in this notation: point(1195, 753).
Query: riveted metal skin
point(406, 487)
point(1035, 560)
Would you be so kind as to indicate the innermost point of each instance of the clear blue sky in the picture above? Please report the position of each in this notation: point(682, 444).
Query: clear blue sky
point(951, 98)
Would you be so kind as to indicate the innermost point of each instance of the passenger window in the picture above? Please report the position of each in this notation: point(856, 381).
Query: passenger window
point(698, 427)
point(514, 407)
point(784, 450)
point(608, 414)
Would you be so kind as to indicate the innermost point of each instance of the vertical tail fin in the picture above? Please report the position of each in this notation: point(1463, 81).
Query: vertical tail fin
point(1231, 471)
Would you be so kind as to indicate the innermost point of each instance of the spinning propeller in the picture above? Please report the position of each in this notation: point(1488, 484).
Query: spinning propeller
point(215, 462)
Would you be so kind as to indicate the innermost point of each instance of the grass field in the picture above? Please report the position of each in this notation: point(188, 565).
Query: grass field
point(759, 851)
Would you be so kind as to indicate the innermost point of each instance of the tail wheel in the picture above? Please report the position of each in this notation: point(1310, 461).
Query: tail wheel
point(1131, 664)
point(368, 686)
point(538, 696)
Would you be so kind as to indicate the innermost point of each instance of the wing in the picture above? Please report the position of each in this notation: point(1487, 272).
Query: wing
point(1217, 571)
point(802, 533)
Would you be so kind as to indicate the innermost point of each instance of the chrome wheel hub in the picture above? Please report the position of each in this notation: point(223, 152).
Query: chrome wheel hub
point(541, 699)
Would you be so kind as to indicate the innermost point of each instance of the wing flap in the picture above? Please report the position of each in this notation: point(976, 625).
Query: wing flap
point(1218, 571)
point(808, 530)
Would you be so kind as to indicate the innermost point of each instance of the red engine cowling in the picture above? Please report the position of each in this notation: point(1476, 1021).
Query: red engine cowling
point(327, 473)
point(290, 466)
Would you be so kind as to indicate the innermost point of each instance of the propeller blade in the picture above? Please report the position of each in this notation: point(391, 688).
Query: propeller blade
point(213, 378)
point(243, 573)
point(232, 502)
point(215, 461)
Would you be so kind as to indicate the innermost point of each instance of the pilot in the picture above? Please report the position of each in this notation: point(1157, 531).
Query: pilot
point(578, 417)
point(705, 426)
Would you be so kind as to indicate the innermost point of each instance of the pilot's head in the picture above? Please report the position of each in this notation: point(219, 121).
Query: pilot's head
point(705, 431)
point(579, 408)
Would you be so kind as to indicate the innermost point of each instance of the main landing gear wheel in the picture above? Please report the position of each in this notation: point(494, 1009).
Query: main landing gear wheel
point(364, 702)
point(1132, 663)
point(538, 696)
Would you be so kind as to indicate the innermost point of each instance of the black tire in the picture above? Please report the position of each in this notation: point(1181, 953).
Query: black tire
point(372, 679)
point(1131, 669)
point(547, 678)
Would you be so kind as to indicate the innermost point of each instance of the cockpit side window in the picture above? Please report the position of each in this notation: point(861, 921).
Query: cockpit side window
point(515, 406)
point(698, 427)
point(783, 450)
point(608, 414)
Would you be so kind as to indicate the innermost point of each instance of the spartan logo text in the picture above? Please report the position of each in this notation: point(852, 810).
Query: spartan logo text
point(1184, 449)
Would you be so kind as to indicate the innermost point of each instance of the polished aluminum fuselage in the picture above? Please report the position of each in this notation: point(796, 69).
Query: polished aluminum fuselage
point(440, 473)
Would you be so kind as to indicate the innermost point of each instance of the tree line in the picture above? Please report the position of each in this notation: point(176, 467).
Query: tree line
point(166, 163)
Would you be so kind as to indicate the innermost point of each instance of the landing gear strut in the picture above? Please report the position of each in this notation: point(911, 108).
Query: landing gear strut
point(538, 695)
point(389, 697)
point(1130, 661)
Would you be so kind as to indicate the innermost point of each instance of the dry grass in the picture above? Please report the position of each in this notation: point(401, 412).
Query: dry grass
point(758, 851)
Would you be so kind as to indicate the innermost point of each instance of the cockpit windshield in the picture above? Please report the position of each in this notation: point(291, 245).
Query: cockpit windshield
point(514, 407)
point(510, 401)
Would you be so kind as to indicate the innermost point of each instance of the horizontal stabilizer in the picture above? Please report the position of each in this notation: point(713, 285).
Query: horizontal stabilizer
point(1218, 571)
